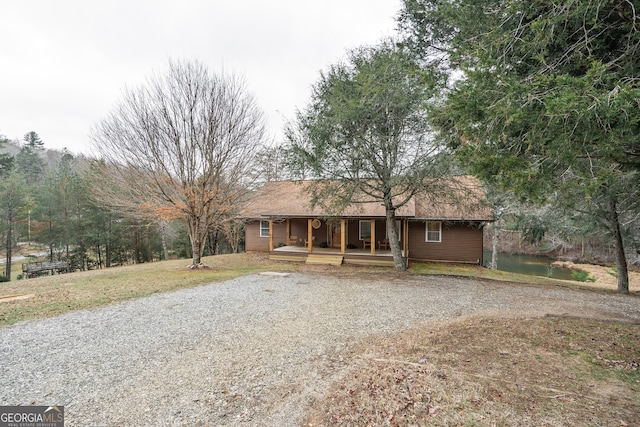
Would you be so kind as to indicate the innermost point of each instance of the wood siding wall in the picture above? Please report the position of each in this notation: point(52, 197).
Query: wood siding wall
point(460, 243)
point(253, 241)
point(299, 229)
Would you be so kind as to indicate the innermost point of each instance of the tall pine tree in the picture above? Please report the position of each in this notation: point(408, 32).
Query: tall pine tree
point(546, 100)
point(28, 160)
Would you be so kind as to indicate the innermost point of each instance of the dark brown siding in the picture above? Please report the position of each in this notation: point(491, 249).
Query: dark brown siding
point(299, 229)
point(460, 243)
point(253, 241)
point(279, 234)
point(354, 231)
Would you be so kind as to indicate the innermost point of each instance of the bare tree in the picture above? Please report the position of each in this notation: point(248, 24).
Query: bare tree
point(180, 147)
point(233, 229)
point(270, 164)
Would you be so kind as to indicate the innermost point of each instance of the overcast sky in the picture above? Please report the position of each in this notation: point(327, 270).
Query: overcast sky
point(64, 63)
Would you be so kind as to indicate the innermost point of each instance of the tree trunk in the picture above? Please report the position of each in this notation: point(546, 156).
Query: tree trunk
point(213, 242)
point(9, 244)
point(163, 237)
point(50, 237)
point(394, 241)
point(198, 237)
point(232, 230)
point(235, 236)
point(133, 255)
point(197, 248)
point(494, 247)
point(621, 259)
point(107, 245)
point(232, 239)
point(99, 254)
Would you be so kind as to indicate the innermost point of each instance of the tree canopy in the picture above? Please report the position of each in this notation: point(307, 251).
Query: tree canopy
point(6, 160)
point(364, 136)
point(546, 100)
point(28, 160)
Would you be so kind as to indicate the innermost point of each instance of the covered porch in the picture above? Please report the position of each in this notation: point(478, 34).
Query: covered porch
point(343, 234)
point(348, 240)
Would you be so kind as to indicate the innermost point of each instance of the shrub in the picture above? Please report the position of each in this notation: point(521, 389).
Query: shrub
point(3, 278)
point(582, 276)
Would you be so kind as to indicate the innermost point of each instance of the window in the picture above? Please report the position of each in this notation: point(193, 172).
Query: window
point(434, 231)
point(398, 229)
point(264, 228)
point(365, 230)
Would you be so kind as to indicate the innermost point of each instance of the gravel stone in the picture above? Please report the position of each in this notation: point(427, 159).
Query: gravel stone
point(256, 350)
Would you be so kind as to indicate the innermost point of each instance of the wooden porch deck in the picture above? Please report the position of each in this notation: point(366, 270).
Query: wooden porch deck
point(332, 256)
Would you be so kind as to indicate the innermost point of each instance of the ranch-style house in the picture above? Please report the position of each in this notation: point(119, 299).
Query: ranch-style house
point(280, 220)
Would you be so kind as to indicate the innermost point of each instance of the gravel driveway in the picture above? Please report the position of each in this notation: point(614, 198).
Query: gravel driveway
point(251, 351)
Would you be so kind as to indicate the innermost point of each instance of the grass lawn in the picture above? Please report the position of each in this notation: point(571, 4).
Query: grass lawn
point(67, 292)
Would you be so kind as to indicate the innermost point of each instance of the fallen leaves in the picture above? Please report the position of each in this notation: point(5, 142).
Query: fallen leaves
point(492, 372)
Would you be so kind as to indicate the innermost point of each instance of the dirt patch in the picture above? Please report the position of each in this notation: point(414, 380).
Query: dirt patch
point(489, 371)
point(605, 277)
point(10, 298)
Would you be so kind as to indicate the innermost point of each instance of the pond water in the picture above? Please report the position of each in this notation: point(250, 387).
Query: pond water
point(528, 264)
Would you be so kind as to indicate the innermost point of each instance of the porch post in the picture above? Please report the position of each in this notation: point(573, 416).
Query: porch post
point(309, 235)
point(270, 235)
point(288, 232)
point(343, 238)
point(373, 237)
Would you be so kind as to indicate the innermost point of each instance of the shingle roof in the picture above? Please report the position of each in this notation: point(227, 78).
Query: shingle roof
point(465, 200)
point(292, 199)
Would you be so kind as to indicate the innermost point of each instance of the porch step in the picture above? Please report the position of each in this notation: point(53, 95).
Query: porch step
point(296, 258)
point(371, 262)
point(325, 259)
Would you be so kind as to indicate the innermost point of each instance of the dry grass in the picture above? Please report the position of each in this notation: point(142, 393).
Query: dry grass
point(494, 372)
point(604, 279)
point(67, 292)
